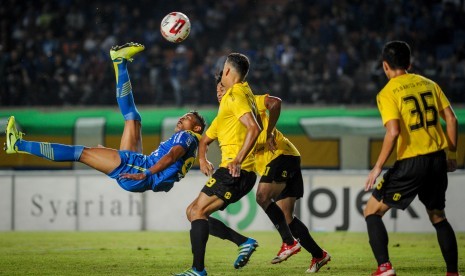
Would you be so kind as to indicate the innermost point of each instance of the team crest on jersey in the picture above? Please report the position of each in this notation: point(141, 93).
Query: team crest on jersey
point(396, 197)
point(380, 185)
point(189, 141)
point(227, 195)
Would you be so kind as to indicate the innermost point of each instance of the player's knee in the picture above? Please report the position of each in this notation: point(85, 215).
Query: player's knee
point(375, 207)
point(371, 210)
point(262, 199)
point(196, 212)
point(367, 212)
point(188, 213)
point(436, 216)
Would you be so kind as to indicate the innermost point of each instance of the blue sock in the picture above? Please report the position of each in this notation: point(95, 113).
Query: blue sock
point(51, 151)
point(124, 91)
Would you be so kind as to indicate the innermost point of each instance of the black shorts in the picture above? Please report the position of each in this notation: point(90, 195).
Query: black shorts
point(229, 189)
point(425, 175)
point(285, 169)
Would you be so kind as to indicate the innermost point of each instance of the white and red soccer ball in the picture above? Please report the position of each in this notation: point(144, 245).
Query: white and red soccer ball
point(175, 27)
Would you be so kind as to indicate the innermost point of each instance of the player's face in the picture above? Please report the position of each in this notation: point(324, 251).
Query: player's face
point(186, 122)
point(220, 91)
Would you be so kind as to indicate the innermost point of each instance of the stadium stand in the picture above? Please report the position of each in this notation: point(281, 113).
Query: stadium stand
point(55, 52)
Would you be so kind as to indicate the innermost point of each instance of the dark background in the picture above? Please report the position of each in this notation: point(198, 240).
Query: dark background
point(55, 53)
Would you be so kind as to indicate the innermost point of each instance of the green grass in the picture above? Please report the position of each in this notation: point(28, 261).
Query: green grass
point(162, 253)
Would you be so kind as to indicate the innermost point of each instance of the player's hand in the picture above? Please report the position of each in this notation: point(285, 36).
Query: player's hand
point(133, 176)
point(206, 167)
point(451, 165)
point(375, 172)
point(234, 168)
point(271, 141)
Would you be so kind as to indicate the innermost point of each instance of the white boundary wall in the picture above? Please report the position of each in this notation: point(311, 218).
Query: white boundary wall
point(90, 201)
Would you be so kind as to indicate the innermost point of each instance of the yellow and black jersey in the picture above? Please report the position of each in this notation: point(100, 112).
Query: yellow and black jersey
point(263, 156)
point(227, 128)
point(416, 102)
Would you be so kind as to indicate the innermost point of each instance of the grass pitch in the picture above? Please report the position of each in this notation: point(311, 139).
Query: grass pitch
point(163, 253)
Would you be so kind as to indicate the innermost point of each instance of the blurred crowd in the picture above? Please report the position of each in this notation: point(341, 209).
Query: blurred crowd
point(56, 52)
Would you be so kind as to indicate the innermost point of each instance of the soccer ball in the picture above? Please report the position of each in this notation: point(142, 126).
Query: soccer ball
point(175, 27)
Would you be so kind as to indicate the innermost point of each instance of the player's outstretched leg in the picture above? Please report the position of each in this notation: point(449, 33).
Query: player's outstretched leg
point(51, 151)
point(120, 56)
point(132, 133)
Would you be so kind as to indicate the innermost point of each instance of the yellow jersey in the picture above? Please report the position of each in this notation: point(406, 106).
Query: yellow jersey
point(416, 102)
point(227, 128)
point(263, 156)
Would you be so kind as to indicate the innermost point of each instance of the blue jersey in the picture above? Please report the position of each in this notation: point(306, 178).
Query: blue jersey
point(133, 162)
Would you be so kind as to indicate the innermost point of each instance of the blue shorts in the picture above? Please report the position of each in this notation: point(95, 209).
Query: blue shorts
point(134, 162)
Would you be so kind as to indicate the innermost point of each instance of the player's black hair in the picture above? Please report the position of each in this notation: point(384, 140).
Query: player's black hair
point(397, 55)
point(200, 120)
point(218, 77)
point(240, 62)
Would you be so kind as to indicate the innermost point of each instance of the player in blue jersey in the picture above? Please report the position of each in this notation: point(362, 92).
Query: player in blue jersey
point(134, 171)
